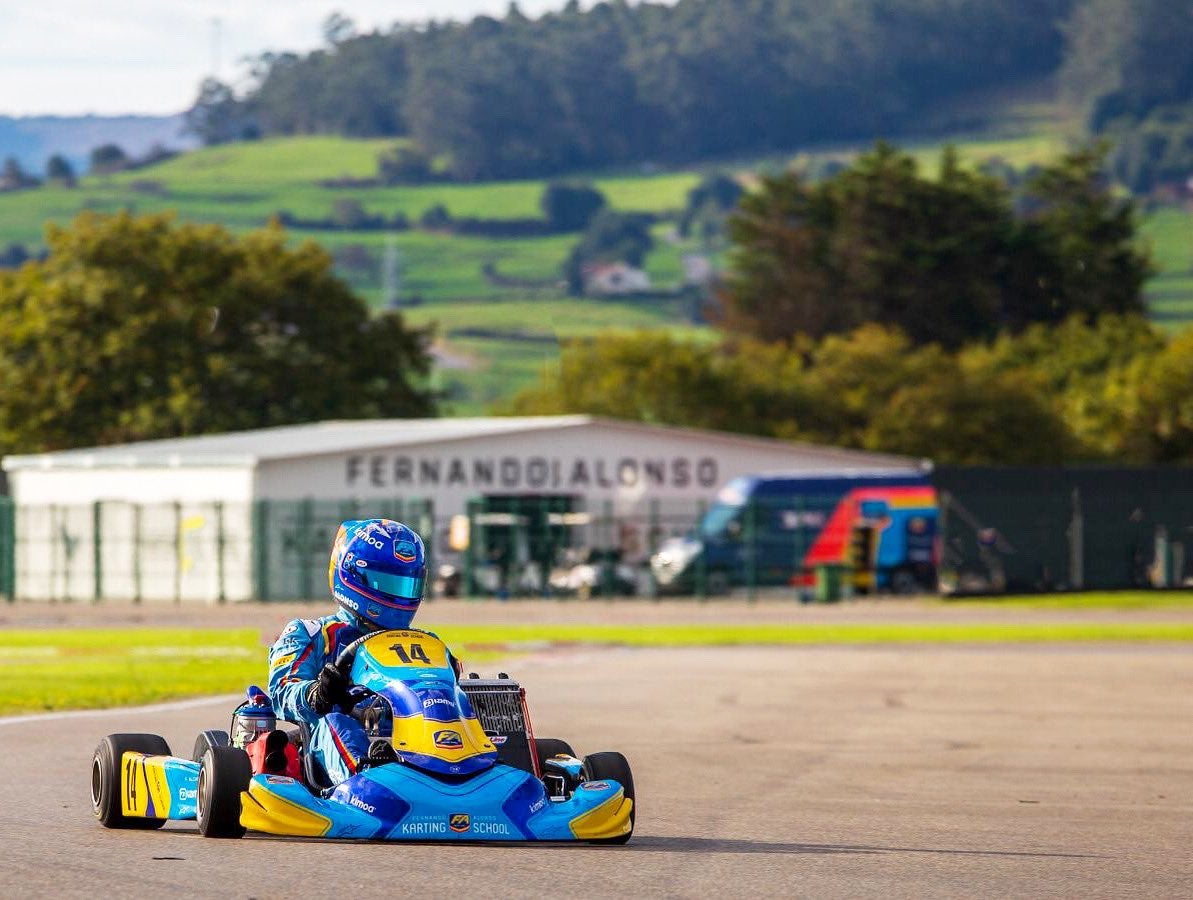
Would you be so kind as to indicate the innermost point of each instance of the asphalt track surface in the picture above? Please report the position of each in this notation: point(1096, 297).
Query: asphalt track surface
point(971, 771)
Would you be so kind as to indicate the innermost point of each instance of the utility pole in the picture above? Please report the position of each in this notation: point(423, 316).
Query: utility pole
point(390, 276)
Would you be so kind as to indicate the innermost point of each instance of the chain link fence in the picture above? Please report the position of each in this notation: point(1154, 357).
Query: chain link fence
point(178, 552)
point(1096, 528)
point(501, 547)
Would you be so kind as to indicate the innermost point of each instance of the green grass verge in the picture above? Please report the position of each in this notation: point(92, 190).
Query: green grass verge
point(93, 668)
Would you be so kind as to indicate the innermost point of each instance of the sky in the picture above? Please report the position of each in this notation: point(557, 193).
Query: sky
point(74, 57)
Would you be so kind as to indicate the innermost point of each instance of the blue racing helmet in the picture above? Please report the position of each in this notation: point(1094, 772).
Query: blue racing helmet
point(378, 571)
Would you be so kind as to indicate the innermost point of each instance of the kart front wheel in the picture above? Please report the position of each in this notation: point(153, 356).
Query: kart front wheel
point(223, 774)
point(107, 787)
point(612, 766)
point(207, 740)
point(545, 748)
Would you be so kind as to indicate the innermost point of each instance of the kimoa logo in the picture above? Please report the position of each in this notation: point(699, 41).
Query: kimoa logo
point(360, 804)
point(187, 794)
point(369, 539)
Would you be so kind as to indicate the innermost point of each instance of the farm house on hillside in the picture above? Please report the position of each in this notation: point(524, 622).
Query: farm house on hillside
point(614, 279)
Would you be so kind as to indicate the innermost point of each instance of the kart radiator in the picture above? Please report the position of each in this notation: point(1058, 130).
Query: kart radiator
point(501, 709)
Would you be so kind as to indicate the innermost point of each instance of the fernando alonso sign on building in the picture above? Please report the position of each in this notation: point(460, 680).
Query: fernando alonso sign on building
point(566, 474)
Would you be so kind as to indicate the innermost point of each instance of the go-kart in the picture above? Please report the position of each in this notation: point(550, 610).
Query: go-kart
point(465, 766)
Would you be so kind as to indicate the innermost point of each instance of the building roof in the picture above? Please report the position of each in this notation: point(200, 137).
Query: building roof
point(247, 448)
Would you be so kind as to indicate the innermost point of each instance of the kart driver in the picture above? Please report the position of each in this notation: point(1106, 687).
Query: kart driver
point(377, 574)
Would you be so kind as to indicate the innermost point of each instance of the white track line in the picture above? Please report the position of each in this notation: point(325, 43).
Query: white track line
point(119, 710)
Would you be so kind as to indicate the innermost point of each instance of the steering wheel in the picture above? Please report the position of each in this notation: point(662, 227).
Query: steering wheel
point(347, 656)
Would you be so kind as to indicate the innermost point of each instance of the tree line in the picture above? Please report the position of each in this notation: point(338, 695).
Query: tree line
point(514, 96)
point(1114, 389)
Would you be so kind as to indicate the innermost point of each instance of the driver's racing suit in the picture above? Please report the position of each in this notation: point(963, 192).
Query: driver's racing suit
point(337, 740)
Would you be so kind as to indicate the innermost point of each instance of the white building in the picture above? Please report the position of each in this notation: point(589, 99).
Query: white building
point(174, 519)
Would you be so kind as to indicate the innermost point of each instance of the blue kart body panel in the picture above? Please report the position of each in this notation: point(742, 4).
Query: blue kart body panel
point(398, 802)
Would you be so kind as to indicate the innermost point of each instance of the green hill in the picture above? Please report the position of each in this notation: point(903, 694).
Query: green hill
point(498, 304)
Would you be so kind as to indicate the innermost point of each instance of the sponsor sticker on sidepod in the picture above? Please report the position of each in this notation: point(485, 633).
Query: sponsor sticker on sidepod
point(595, 786)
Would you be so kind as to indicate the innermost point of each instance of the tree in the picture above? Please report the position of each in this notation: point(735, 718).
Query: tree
point(404, 164)
point(961, 417)
point(13, 177)
point(60, 171)
point(337, 29)
point(140, 327)
point(570, 207)
point(652, 377)
point(1075, 249)
point(1158, 404)
point(217, 117)
point(108, 158)
point(708, 205)
point(947, 260)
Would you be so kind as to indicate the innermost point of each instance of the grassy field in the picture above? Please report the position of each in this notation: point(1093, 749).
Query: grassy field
point(93, 668)
point(484, 322)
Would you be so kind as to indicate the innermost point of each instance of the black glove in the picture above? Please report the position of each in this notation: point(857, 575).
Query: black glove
point(328, 690)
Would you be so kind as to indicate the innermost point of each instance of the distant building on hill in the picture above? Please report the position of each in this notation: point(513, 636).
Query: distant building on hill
point(614, 279)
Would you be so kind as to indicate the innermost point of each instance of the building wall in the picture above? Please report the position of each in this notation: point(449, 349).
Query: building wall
point(149, 484)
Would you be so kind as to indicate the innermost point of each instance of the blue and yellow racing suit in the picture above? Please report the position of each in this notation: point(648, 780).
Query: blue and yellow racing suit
point(337, 740)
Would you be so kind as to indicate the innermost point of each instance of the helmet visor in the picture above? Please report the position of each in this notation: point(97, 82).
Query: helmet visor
point(404, 586)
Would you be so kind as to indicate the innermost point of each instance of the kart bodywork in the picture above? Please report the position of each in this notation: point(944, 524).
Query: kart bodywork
point(467, 769)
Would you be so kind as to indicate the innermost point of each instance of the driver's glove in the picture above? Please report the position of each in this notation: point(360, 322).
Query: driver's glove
point(328, 690)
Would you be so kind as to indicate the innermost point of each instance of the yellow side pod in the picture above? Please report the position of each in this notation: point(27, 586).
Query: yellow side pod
point(609, 820)
point(262, 810)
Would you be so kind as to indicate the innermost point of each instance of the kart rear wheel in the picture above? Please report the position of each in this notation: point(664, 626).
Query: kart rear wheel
point(206, 740)
point(545, 748)
point(106, 786)
point(223, 774)
point(612, 766)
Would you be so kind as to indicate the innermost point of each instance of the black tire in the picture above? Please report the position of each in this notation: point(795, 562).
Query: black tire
point(206, 740)
point(224, 773)
point(105, 778)
point(612, 766)
point(545, 748)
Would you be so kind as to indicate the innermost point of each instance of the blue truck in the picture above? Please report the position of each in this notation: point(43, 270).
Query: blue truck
point(775, 529)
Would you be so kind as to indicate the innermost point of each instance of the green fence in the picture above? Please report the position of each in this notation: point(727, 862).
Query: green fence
point(7, 549)
point(501, 547)
point(1044, 529)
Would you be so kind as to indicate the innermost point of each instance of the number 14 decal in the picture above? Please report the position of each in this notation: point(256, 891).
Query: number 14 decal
point(408, 653)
